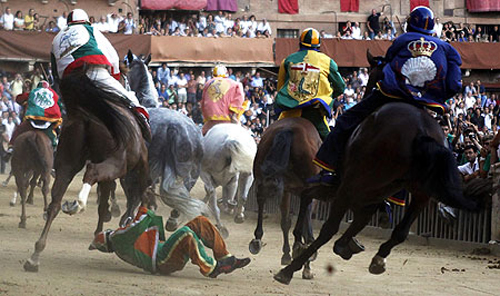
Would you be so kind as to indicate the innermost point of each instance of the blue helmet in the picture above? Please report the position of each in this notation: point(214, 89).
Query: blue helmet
point(421, 20)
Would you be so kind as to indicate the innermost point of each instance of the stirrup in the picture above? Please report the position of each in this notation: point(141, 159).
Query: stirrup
point(325, 178)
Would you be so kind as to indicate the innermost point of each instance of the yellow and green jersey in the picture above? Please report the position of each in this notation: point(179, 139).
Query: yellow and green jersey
point(306, 78)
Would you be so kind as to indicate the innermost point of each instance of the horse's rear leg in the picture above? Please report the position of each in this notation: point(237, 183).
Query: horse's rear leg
point(135, 184)
point(22, 186)
point(228, 195)
point(69, 161)
point(400, 233)
point(256, 244)
point(244, 183)
point(303, 224)
point(32, 185)
point(286, 223)
point(329, 228)
point(104, 190)
point(115, 208)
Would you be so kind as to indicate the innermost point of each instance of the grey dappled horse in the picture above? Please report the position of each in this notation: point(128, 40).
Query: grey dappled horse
point(175, 151)
point(228, 154)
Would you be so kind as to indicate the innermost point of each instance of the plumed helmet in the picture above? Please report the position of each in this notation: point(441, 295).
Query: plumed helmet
point(78, 16)
point(101, 242)
point(219, 71)
point(43, 84)
point(421, 20)
point(310, 38)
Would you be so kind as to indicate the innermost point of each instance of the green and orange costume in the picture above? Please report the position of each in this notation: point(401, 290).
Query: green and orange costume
point(142, 243)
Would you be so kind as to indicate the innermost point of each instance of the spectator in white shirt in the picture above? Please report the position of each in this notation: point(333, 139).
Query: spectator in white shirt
point(245, 24)
point(470, 170)
point(264, 26)
point(202, 23)
point(114, 21)
point(438, 28)
point(182, 88)
point(324, 35)
point(62, 21)
point(257, 81)
point(228, 22)
point(130, 24)
point(102, 25)
point(356, 31)
point(7, 19)
point(363, 75)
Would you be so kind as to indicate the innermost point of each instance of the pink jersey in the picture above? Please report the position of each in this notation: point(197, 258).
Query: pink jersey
point(222, 97)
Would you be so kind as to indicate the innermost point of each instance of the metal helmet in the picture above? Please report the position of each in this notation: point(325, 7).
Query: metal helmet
point(219, 71)
point(421, 20)
point(310, 38)
point(78, 16)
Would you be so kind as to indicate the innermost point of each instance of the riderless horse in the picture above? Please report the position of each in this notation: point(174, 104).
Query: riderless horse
point(103, 131)
point(229, 152)
point(32, 158)
point(399, 146)
point(175, 151)
point(282, 164)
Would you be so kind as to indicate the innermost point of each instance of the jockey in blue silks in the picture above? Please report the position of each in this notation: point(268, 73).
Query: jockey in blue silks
point(421, 70)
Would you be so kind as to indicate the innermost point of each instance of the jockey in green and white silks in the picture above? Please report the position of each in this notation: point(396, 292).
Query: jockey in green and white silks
point(79, 45)
point(43, 112)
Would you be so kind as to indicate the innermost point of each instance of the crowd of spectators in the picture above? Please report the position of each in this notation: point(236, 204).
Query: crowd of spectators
point(202, 24)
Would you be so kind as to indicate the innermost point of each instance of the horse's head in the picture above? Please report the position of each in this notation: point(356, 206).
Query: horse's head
point(376, 74)
point(140, 80)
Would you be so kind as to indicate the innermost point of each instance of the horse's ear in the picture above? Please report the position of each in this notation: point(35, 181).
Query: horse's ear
point(130, 56)
point(371, 59)
point(148, 59)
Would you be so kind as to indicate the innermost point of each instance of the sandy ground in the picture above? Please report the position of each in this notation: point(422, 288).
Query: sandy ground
point(69, 268)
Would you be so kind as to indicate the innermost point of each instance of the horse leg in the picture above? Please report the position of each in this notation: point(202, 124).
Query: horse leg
point(115, 208)
point(69, 161)
point(400, 233)
point(45, 190)
point(256, 244)
point(33, 184)
point(228, 194)
point(108, 170)
point(328, 230)
point(6, 182)
point(347, 245)
point(104, 190)
point(303, 223)
point(22, 186)
point(244, 183)
point(286, 223)
point(135, 184)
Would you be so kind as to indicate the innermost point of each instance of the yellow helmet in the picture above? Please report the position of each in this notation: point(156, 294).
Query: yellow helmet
point(310, 38)
point(219, 71)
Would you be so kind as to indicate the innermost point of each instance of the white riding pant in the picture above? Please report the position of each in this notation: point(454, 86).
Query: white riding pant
point(104, 80)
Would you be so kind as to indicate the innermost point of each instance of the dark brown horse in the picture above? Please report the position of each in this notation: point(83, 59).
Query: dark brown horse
point(397, 147)
point(32, 158)
point(103, 132)
point(281, 166)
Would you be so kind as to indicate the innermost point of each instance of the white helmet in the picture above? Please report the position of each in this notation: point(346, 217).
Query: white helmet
point(219, 71)
point(78, 16)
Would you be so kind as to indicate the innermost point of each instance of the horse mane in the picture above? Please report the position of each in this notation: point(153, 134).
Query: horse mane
point(141, 82)
point(81, 97)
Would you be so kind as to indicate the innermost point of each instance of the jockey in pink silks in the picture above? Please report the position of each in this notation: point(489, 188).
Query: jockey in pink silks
point(222, 101)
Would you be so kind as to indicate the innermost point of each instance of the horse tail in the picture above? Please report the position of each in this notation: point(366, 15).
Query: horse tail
point(242, 154)
point(435, 169)
point(277, 159)
point(80, 94)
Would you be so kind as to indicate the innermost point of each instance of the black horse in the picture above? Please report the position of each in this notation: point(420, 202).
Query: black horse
point(397, 147)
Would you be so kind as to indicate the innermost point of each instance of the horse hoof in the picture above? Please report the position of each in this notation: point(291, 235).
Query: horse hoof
point(223, 231)
point(343, 251)
point(115, 211)
point(22, 224)
point(107, 217)
point(355, 246)
point(71, 208)
point(238, 219)
point(307, 274)
point(171, 225)
point(28, 266)
point(282, 277)
point(378, 265)
point(255, 246)
point(286, 259)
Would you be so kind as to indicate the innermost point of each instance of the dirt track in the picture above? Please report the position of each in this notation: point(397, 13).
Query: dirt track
point(68, 268)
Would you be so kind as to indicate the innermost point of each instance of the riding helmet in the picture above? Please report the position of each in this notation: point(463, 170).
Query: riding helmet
point(310, 38)
point(78, 16)
point(219, 71)
point(421, 20)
